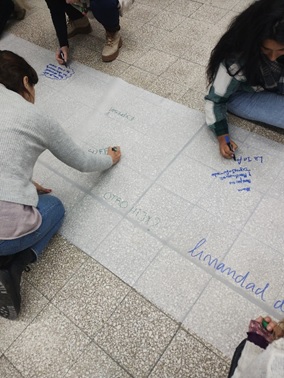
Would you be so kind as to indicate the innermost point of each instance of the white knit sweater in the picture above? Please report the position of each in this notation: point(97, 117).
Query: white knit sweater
point(26, 132)
point(259, 363)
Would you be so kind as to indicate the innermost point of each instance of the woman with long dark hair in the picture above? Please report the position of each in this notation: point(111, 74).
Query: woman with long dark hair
point(29, 220)
point(246, 71)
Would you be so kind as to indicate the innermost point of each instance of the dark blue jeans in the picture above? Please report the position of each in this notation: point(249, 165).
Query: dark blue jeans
point(106, 12)
point(52, 213)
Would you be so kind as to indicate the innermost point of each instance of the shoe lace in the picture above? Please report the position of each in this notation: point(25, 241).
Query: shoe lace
point(109, 41)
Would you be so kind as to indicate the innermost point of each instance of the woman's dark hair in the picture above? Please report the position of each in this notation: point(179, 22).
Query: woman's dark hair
point(242, 42)
point(13, 69)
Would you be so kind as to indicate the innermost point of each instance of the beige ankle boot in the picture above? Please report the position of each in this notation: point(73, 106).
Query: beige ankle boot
point(112, 46)
point(80, 26)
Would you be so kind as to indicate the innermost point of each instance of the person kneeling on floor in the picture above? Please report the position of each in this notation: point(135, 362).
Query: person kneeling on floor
point(29, 215)
point(106, 12)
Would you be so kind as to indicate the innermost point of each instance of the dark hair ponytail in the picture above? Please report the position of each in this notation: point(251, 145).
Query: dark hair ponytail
point(13, 69)
point(242, 42)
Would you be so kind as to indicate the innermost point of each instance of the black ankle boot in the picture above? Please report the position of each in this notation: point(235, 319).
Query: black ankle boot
point(10, 280)
point(5, 260)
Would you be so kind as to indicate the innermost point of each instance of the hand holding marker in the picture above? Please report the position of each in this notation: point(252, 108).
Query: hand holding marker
point(230, 146)
point(62, 57)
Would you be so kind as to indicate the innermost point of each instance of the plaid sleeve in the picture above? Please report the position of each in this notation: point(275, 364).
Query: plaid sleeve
point(223, 86)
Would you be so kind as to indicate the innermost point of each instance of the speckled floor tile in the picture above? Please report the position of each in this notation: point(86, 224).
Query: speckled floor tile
point(32, 303)
point(48, 275)
point(168, 89)
point(187, 357)
point(209, 13)
point(95, 363)
point(136, 335)
point(48, 346)
point(185, 72)
point(155, 62)
point(91, 296)
point(7, 370)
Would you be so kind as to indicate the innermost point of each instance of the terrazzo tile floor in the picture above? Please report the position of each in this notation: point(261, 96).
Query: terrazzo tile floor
point(125, 290)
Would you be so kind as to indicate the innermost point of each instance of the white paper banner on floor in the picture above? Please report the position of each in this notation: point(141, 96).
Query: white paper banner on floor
point(199, 236)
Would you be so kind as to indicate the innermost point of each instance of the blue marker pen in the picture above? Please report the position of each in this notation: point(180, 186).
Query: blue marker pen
point(227, 139)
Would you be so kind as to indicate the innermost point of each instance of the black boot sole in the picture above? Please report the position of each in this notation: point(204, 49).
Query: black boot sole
point(10, 299)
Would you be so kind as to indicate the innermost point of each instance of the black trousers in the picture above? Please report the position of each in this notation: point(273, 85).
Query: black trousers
point(6, 9)
point(105, 11)
point(236, 357)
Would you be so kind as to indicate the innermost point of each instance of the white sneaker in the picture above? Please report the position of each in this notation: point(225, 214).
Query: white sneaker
point(124, 5)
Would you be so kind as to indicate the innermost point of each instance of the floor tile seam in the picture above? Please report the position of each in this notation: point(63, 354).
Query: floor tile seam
point(50, 299)
point(118, 363)
point(82, 353)
point(10, 347)
point(151, 72)
point(14, 367)
point(207, 345)
point(164, 350)
point(105, 322)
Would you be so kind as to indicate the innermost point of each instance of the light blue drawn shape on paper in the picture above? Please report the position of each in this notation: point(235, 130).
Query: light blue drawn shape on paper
point(57, 73)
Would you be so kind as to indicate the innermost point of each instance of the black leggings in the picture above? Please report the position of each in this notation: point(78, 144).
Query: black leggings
point(6, 9)
point(105, 11)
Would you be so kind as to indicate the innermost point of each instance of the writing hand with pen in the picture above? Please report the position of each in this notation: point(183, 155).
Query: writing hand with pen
point(114, 153)
point(62, 55)
point(227, 146)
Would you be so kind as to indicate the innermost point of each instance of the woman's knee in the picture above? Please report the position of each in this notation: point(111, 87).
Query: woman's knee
point(50, 205)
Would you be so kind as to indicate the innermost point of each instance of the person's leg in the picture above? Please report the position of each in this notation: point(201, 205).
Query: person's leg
point(16, 254)
point(6, 9)
point(77, 22)
point(263, 107)
point(106, 12)
point(52, 213)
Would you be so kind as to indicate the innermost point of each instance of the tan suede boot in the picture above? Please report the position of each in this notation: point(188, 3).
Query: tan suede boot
point(80, 26)
point(112, 46)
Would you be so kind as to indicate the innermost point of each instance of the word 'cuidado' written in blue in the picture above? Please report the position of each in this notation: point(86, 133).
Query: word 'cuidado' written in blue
point(240, 279)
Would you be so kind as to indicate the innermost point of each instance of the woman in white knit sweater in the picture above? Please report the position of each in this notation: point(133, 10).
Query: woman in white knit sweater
point(29, 220)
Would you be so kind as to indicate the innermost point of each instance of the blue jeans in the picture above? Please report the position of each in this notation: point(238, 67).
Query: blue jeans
point(52, 213)
point(263, 106)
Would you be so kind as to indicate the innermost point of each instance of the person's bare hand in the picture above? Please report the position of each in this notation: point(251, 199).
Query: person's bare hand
point(64, 50)
point(224, 148)
point(272, 326)
point(271, 323)
point(115, 154)
point(40, 189)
